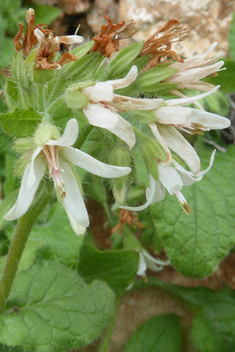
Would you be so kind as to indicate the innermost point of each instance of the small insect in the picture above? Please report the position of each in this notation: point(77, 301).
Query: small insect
point(16, 309)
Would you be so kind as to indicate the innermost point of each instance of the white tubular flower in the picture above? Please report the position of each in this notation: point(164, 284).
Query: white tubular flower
point(103, 107)
point(172, 116)
point(146, 261)
point(172, 179)
point(57, 155)
point(192, 70)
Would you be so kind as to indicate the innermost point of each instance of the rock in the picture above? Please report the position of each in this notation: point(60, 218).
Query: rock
point(208, 21)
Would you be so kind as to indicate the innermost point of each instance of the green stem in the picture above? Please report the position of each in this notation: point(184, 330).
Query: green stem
point(108, 332)
point(83, 134)
point(22, 232)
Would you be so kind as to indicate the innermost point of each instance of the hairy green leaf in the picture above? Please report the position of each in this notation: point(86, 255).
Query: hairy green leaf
point(20, 123)
point(117, 268)
point(225, 78)
point(55, 310)
point(60, 241)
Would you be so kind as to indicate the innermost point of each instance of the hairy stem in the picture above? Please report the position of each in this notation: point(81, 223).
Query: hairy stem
point(17, 246)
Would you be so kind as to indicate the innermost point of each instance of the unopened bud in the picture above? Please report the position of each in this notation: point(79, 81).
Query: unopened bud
point(22, 145)
point(120, 157)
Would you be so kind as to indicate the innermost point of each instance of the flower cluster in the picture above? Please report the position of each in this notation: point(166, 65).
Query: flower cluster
point(116, 92)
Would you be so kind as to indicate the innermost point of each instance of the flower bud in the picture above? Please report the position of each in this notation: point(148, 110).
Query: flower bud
point(21, 145)
point(120, 157)
point(152, 153)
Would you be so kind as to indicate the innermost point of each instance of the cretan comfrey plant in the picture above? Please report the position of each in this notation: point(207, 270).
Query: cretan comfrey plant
point(76, 119)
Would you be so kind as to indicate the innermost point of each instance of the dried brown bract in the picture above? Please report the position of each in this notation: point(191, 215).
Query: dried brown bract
point(107, 40)
point(127, 217)
point(158, 45)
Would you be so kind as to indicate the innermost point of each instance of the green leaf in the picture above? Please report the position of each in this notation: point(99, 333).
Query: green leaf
point(7, 51)
point(20, 123)
point(159, 334)
point(124, 58)
point(60, 243)
point(117, 268)
point(213, 326)
point(143, 116)
point(45, 14)
point(60, 112)
point(225, 78)
point(231, 38)
point(4, 348)
point(204, 337)
point(195, 244)
point(83, 49)
point(83, 66)
point(11, 92)
point(154, 75)
point(56, 311)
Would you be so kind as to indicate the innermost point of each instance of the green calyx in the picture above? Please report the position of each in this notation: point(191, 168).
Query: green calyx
point(45, 132)
point(74, 97)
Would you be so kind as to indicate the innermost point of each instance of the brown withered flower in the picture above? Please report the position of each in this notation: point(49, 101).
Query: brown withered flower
point(47, 43)
point(107, 40)
point(127, 217)
point(29, 40)
point(158, 45)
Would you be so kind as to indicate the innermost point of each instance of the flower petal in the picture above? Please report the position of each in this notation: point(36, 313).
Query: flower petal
point(26, 194)
point(208, 120)
point(126, 81)
point(157, 135)
point(99, 116)
point(73, 202)
point(157, 261)
point(69, 136)
point(120, 102)
point(172, 115)
point(142, 265)
point(101, 91)
point(32, 171)
point(176, 142)
point(124, 131)
point(170, 178)
point(187, 177)
point(189, 100)
point(77, 228)
point(96, 167)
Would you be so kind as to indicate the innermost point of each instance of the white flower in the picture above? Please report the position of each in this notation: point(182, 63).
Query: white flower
point(57, 155)
point(172, 178)
point(146, 261)
point(103, 106)
point(172, 116)
point(192, 70)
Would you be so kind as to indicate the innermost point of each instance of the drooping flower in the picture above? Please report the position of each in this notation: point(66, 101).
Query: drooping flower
point(104, 105)
point(172, 116)
point(57, 154)
point(193, 69)
point(171, 178)
point(147, 261)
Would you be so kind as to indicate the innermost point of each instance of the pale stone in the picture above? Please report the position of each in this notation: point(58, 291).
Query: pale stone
point(208, 21)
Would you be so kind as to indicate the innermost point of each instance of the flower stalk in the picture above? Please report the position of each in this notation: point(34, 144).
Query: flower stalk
point(23, 229)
